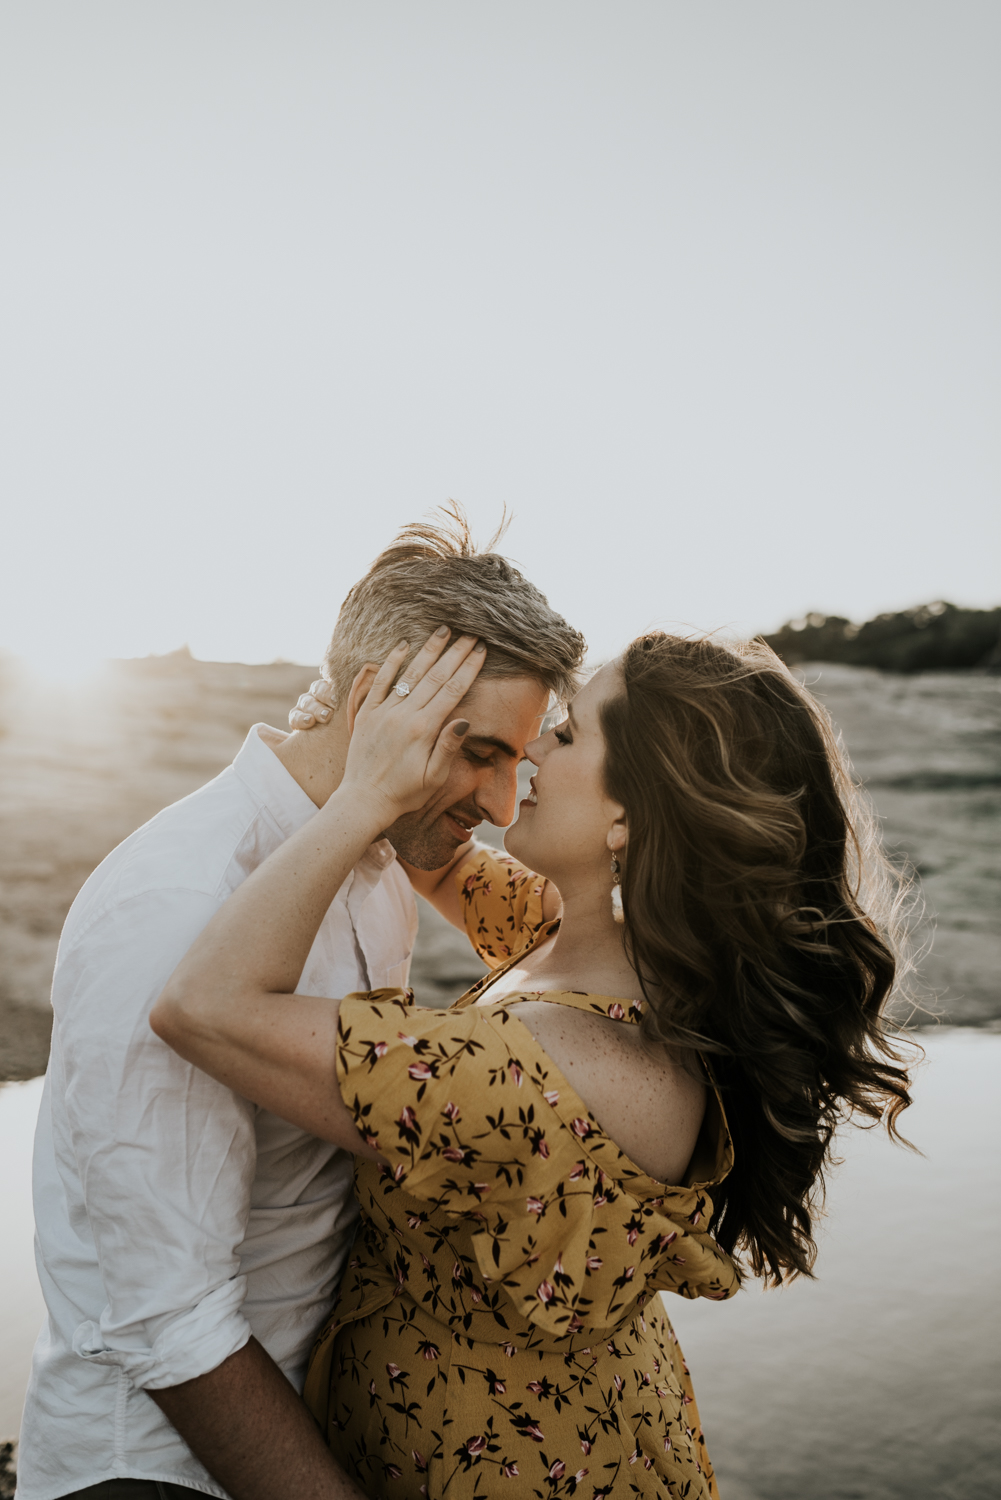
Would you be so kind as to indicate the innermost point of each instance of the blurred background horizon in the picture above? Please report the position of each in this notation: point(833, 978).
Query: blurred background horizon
point(706, 295)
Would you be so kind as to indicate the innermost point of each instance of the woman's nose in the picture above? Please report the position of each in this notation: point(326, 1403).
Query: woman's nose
point(534, 751)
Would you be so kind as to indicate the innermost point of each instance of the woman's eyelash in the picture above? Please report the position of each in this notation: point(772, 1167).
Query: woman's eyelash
point(563, 737)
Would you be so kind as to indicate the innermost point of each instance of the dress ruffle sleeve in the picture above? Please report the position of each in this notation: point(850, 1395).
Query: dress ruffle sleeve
point(502, 905)
point(474, 1122)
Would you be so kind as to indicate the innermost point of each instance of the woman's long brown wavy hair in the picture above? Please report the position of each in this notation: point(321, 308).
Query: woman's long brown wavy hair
point(761, 918)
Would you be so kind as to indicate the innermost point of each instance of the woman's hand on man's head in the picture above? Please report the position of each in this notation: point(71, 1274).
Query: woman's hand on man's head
point(313, 707)
point(405, 734)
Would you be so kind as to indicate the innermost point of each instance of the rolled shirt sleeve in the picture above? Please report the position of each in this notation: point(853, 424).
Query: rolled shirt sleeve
point(165, 1155)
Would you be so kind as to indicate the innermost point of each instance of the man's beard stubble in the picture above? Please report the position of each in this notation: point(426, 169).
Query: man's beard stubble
point(424, 844)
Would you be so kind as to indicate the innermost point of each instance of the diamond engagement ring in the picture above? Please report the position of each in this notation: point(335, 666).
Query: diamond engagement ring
point(402, 689)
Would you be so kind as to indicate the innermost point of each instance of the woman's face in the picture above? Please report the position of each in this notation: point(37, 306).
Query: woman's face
point(568, 823)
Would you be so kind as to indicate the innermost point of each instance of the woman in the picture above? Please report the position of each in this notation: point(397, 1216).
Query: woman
point(616, 1110)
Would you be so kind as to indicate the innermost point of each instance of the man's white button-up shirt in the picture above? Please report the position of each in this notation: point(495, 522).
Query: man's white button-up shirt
point(173, 1218)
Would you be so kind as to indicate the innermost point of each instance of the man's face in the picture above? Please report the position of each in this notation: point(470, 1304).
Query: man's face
point(504, 713)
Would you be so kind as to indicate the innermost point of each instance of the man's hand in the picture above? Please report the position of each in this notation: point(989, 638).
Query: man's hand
point(252, 1432)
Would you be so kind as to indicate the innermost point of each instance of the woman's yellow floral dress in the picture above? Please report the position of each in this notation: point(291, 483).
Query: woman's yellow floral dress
point(498, 1329)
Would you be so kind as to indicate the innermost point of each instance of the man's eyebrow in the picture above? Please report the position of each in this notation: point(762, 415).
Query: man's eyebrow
point(498, 744)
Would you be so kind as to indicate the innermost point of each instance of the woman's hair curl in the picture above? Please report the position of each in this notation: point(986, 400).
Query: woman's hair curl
point(762, 918)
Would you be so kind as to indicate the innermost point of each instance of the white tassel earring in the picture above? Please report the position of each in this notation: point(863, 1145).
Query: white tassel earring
point(617, 912)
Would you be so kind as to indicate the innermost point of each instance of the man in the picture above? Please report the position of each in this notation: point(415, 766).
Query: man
point(188, 1243)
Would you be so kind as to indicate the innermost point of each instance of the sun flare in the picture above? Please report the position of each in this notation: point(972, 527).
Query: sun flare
point(68, 668)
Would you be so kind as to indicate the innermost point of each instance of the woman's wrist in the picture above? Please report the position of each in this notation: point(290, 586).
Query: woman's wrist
point(359, 810)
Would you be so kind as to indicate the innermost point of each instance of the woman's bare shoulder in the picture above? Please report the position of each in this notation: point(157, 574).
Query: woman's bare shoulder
point(650, 1105)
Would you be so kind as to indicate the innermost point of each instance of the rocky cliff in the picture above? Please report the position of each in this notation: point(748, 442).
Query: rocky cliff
point(935, 637)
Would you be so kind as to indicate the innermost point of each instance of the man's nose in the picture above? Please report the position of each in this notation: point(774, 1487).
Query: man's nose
point(497, 799)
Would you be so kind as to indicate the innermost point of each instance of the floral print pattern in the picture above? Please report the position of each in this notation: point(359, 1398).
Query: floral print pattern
point(498, 1327)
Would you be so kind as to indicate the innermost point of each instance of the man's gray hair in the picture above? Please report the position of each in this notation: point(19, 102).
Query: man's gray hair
point(431, 575)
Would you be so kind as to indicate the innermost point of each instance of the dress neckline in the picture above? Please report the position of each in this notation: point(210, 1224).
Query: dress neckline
point(616, 1007)
point(713, 1155)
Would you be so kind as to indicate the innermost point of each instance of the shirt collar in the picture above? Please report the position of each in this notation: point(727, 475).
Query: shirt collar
point(271, 785)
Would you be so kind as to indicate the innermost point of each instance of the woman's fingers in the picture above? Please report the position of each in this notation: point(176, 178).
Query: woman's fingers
point(386, 676)
point(437, 680)
point(446, 748)
point(309, 709)
point(447, 683)
point(319, 701)
point(424, 676)
point(313, 707)
point(440, 672)
point(402, 745)
point(427, 656)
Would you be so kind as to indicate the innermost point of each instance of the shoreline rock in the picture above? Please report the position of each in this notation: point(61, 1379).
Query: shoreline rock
point(937, 637)
point(8, 1470)
point(75, 781)
point(25, 1033)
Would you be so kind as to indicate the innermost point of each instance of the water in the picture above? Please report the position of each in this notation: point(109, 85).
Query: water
point(929, 750)
point(23, 1308)
point(879, 1381)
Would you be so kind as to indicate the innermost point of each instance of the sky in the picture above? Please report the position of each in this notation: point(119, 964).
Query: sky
point(706, 294)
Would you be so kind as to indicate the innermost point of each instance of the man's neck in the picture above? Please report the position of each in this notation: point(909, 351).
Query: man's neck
point(315, 760)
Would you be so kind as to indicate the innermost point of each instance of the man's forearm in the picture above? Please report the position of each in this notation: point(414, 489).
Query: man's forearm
point(252, 1432)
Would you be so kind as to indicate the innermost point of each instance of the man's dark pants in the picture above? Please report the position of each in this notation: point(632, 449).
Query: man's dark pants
point(134, 1489)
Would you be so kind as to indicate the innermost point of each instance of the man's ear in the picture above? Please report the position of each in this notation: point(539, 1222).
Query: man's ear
point(359, 691)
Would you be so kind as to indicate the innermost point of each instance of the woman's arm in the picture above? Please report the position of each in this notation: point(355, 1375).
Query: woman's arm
point(438, 887)
point(230, 1007)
